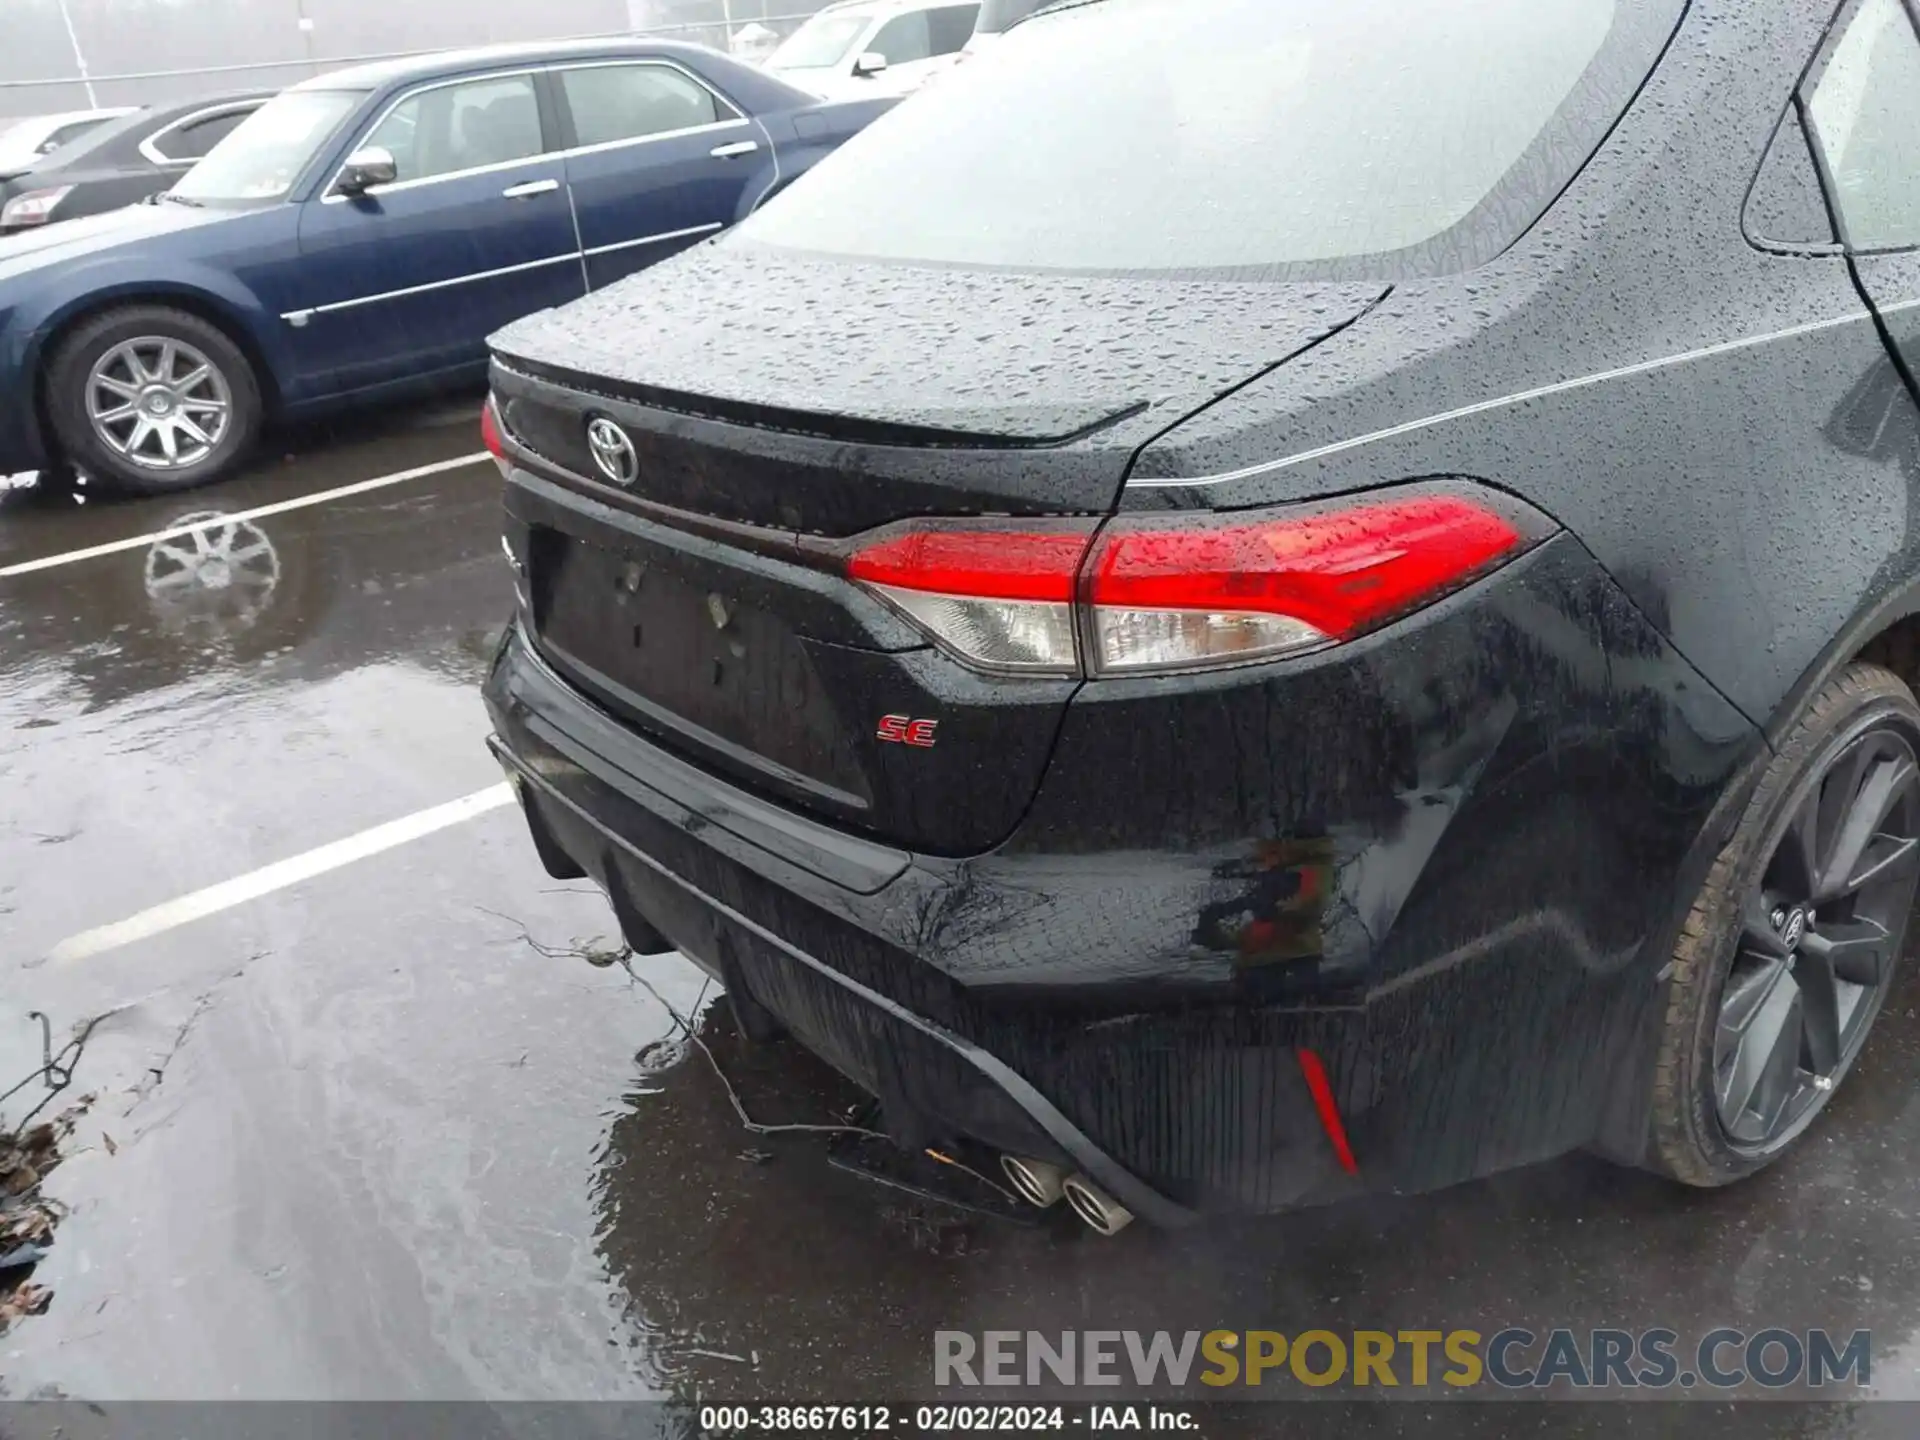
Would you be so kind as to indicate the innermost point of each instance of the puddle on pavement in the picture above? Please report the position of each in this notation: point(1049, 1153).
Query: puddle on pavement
point(54, 512)
point(751, 1264)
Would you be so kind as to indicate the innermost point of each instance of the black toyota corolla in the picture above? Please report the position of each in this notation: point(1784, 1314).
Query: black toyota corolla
point(1252, 600)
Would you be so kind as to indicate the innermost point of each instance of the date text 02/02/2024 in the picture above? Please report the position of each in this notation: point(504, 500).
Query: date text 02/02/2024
point(939, 1419)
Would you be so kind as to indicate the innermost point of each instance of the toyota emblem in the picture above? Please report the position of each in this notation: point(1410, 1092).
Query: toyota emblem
point(613, 451)
point(1795, 928)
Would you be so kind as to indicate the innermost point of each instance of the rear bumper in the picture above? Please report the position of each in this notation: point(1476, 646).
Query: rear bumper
point(1447, 861)
point(624, 818)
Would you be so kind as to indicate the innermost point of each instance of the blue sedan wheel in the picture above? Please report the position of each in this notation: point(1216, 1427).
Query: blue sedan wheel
point(160, 402)
point(150, 399)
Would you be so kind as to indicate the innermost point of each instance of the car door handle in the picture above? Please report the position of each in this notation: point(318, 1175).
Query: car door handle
point(531, 187)
point(733, 151)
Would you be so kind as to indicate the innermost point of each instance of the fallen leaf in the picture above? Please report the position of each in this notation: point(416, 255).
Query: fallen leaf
point(27, 1299)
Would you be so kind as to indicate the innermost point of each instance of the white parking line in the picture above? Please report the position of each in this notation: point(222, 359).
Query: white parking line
point(278, 876)
point(114, 547)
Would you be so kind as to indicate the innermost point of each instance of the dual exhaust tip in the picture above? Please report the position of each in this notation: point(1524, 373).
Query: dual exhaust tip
point(1042, 1183)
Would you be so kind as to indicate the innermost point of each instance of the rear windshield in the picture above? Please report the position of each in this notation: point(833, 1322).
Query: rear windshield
point(1367, 137)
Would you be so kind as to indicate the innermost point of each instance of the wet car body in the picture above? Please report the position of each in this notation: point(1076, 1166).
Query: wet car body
point(336, 301)
point(1107, 922)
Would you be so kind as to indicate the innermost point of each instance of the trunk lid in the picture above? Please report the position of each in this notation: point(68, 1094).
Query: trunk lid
point(777, 407)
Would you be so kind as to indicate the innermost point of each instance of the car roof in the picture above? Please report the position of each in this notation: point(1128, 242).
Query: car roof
point(381, 73)
point(115, 144)
point(165, 112)
point(64, 117)
point(173, 109)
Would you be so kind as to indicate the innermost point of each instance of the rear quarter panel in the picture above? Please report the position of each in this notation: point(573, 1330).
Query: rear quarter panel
point(1721, 426)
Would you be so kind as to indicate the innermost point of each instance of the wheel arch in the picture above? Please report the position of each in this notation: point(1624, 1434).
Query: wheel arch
point(201, 303)
point(1886, 633)
point(1896, 646)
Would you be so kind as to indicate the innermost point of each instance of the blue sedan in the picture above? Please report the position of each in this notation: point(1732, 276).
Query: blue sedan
point(360, 236)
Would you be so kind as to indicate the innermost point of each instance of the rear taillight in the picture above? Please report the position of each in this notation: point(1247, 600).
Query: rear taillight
point(490, 435)
point(1219, 591)
point(34, 207)
point(999, 597)
point(1186, 592)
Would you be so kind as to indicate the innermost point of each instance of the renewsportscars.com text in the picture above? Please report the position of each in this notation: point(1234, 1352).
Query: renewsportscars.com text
point(1511, 1358)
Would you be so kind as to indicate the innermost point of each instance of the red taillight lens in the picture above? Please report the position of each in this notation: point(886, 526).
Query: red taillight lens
point(1002, 599)
point(986, 562)
point(1220, 591)
point(490, 435)
point(1181, 593)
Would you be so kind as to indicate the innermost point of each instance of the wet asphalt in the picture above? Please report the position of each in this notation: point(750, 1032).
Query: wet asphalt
point(376, 1136)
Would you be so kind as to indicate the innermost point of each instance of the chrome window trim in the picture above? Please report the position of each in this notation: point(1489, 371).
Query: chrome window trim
point(298, 318)
point(606, 145)
point(150, 147)
point(625, 60)
point(531, 72)
point(400, 186)
point(330, 198)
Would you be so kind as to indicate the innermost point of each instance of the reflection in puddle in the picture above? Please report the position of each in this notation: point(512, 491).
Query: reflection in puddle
point(213, 597)
point(221, 576)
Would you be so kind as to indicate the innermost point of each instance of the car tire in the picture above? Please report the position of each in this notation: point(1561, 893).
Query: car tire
point(150, 400)
point(1861, 730)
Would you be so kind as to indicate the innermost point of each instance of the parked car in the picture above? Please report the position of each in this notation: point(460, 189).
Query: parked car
point(874, 47)
point(996, 18)
point(1238, 658)
point(121, 162)
point(360, 234)
point(22, 142)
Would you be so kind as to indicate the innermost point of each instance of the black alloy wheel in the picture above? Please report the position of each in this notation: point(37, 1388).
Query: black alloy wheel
point(1818, 937)
point(1793, 943)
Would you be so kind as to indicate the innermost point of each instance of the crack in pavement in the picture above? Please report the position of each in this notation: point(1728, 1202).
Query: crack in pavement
point(156, 1074)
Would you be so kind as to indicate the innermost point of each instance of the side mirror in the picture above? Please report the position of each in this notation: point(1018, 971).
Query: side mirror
point(870, 63)
point(365, 169)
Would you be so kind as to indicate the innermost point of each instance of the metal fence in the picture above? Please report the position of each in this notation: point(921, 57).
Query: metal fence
point(79, 54)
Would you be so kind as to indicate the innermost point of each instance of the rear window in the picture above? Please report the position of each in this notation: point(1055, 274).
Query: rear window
point(1369, 137)
point(71, 131)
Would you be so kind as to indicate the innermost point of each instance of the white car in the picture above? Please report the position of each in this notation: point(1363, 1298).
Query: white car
point(996, 18)
point(22, 142)
point(861, 48)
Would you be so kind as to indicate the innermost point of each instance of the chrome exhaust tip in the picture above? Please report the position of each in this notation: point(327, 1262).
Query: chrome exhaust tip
point(1100, 1210)
point(1038, 1181)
